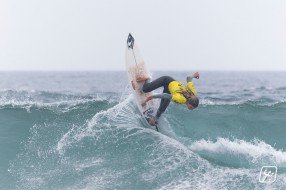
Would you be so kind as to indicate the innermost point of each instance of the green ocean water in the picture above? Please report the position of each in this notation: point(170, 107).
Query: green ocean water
point(82, 130)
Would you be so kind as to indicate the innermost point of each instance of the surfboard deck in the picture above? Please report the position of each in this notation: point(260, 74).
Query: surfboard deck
point(135, 66)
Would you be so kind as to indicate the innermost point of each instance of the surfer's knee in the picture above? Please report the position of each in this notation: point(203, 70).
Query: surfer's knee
point(145, 86)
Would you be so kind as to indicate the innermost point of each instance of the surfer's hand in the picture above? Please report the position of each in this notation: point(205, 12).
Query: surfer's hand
point(146, 100)
point(196, 75)
point(149, 98)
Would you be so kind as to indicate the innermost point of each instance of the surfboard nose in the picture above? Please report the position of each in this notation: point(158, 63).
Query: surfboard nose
point(130, 41)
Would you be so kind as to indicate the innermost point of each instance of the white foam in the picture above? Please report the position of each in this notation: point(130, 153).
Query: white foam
point(120, 113)
point(59, 103)
point(256, 149)
point(87, 163)
point(207, 102)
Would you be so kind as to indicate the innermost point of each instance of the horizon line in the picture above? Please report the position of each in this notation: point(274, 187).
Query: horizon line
point(153, 70)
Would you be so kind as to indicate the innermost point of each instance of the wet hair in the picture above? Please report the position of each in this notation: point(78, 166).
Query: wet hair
point(194, 101)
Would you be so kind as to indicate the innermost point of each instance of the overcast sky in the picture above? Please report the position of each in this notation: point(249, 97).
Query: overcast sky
point(171, 34)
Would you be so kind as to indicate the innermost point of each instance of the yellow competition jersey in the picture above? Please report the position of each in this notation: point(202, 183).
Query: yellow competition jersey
point(177, 88)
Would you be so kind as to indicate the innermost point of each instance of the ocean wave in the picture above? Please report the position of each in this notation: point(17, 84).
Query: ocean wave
point(100, 120)
point(57, 102)
point(260, 95)
point(205, 102)
point(255, 152)
point(85, 153)
point(113, 147)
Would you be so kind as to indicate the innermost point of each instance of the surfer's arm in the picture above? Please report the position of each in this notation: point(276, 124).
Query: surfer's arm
point(161, 96)
point(195, 75)
point(190, 84)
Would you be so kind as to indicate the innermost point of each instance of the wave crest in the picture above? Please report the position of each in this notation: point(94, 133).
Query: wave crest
point(256, 152)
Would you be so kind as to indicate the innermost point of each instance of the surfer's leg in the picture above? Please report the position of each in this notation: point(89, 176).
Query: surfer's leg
point(157, 83)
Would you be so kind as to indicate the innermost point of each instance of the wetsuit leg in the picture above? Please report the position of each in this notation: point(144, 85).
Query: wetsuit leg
point(160, 82)
point(157, 83)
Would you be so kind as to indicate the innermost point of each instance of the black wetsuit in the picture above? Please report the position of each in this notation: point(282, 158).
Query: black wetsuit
point(164, 82)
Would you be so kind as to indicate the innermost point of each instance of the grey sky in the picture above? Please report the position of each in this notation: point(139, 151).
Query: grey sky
point(172, 35)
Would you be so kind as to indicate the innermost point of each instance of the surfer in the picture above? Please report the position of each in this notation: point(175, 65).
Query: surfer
point(173, 91)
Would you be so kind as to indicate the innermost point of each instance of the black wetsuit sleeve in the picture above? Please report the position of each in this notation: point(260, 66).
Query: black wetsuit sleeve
point(163, 96)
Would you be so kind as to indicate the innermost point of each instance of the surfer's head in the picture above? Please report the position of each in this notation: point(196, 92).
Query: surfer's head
point(192, 102)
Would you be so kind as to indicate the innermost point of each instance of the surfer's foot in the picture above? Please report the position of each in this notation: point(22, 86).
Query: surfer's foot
point(141, 72)
point(152, 121)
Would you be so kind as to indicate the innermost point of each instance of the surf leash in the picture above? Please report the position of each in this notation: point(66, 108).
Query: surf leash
point(157, 128)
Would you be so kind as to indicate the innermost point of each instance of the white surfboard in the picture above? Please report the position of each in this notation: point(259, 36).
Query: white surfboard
point(134, 66)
